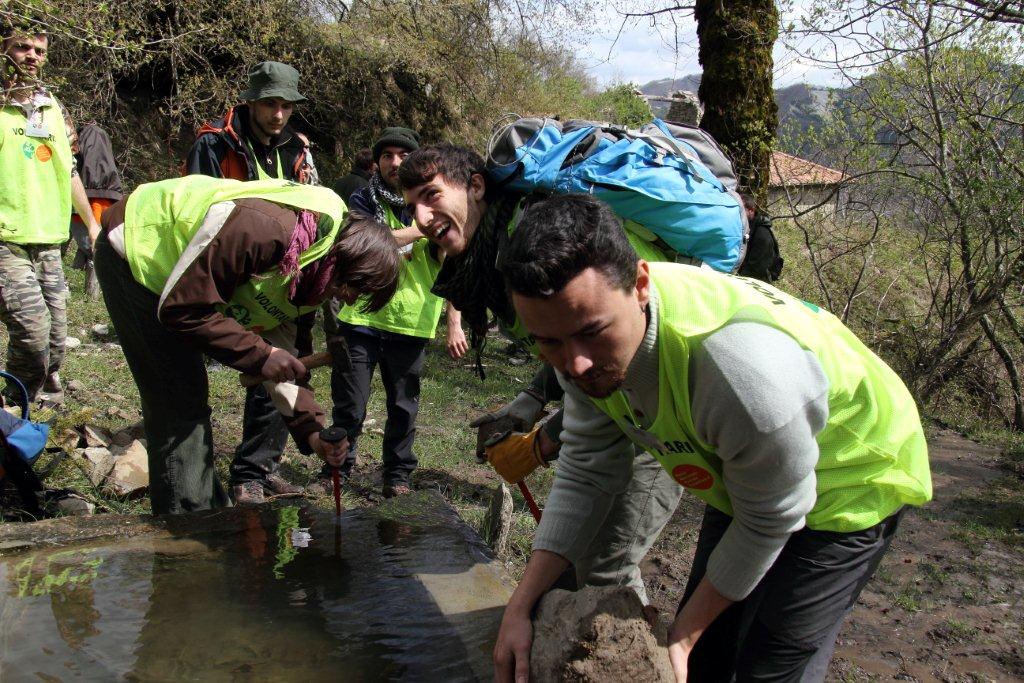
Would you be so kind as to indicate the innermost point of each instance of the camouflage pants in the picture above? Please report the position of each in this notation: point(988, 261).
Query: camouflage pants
point(33, 307)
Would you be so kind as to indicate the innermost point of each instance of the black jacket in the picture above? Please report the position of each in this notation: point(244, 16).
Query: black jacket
point(96, 166)
point(221, 151)
point(347, 184)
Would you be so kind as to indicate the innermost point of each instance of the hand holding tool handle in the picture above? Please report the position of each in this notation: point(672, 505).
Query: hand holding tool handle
point(310, 362)
point(335, 435)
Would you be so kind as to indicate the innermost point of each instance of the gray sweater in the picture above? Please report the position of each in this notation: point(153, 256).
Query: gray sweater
point(759, 399)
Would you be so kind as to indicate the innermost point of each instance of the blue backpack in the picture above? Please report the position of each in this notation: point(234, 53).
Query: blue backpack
point(659, 176)
point(20, 436)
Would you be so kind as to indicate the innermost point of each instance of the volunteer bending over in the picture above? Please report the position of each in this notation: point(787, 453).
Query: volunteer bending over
point(805, 446)
point(200, 265)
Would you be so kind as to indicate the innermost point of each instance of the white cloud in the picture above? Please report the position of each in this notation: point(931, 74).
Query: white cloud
point(643, 52)
point(640, 53)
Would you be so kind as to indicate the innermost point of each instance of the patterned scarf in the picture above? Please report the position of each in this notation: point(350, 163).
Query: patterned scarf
point(471, 280)
point(382, 194)
point(308, 285)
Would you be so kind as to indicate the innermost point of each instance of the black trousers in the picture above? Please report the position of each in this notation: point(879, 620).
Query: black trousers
point(264, 437)
point(173, 388)
point(785, 630)
point(264, 432)
point(400, 358)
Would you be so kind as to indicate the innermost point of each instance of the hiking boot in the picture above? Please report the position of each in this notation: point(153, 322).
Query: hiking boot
point(52, 394)
point(53, 384)
point(394, 490)
point(276, 485)
point(248, 493)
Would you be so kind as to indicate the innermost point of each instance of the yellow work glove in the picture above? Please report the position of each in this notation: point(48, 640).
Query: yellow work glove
point(513, 455)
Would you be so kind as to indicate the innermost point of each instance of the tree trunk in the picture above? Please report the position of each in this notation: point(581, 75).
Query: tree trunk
point(736, 39)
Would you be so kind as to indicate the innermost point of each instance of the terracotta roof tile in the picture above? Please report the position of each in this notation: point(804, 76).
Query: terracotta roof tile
point(789, 171)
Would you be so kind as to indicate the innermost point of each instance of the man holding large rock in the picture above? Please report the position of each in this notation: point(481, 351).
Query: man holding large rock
point(804, 445)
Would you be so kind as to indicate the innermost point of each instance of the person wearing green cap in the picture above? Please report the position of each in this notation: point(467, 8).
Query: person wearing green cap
point(254, 142)
point(394, 338)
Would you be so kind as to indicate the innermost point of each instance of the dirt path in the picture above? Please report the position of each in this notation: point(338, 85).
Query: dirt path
point(945, 605)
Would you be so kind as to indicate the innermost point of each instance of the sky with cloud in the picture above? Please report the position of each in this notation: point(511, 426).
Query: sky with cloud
point(640, 50)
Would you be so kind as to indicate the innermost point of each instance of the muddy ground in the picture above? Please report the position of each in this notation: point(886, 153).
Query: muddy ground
point(946, 602)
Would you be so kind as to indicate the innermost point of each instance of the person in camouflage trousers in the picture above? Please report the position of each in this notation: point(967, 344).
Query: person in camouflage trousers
point(32, 292)
point(38, 185)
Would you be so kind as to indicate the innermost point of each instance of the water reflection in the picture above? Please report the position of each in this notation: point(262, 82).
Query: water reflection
point(290, 596)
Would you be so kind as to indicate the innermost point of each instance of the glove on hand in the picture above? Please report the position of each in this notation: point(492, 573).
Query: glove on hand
point(514, 455)
point(522, 412)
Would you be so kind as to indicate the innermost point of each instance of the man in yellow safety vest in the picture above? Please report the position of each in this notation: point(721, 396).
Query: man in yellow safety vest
point(39, 185)
point(805, 446)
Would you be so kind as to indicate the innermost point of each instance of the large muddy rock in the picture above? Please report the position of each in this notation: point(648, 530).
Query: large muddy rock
point(597, 634)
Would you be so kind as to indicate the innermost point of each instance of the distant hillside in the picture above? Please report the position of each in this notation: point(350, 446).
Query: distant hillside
point(666, 86)
point(801, 107)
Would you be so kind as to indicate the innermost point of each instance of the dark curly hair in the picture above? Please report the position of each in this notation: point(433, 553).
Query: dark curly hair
point(560, 237)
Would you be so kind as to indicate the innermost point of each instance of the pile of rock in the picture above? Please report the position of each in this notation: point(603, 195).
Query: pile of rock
point(597, 634)
point(118, 462)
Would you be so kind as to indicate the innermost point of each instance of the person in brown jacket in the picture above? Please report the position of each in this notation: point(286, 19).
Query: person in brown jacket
point(199, 265)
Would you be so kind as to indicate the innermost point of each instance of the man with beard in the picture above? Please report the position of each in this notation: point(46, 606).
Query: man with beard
point(804, 445)
point(254, 142)
point(39, 185)
point(395, 338)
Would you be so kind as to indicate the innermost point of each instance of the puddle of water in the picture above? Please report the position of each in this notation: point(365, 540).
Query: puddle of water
point(293, 596)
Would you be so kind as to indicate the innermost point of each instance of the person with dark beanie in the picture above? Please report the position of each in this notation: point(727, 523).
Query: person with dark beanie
point(395, 338)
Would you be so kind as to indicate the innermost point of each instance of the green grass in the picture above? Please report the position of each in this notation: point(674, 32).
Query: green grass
point(954, 631)
point(935, 575)
point(907, 598)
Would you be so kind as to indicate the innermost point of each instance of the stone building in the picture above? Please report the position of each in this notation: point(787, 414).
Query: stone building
point(797, 185)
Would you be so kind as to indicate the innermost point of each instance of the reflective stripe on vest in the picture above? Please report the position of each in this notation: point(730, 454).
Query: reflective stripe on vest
point(35, 177)
point(873, 458)
point(168, 224)
point(413, 310)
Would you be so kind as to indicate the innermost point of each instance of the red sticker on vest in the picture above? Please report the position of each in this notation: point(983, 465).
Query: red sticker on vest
point(43, 153)
point(693, 477)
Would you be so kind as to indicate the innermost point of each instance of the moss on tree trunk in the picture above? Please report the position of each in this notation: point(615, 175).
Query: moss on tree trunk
point(736, 39)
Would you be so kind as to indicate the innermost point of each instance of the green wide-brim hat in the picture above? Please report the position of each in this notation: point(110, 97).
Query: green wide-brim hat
point(273, 79)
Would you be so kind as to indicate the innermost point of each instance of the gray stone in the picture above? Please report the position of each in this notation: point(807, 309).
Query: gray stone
point(96, 436)
point(72, 343)
point(498, 520)
point(130, 474)
point(101, 461)
point(597, 634)
point(74, 506)
point(136, 432)
point(74, 386)
point(123, 438)
point(8, 546)
point(686, 108)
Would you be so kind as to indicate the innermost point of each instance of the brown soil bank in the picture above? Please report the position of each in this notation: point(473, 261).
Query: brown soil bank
point(946, 603)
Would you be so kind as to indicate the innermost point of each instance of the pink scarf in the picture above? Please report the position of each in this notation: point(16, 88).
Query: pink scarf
point(309, 284)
